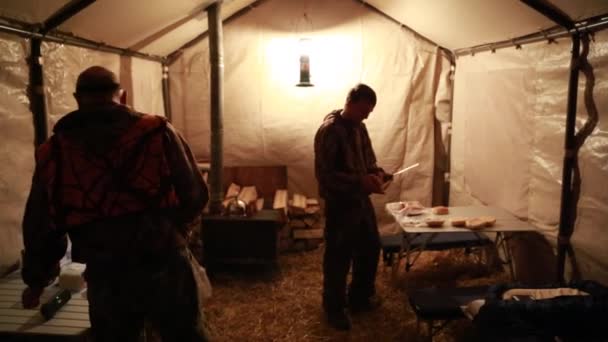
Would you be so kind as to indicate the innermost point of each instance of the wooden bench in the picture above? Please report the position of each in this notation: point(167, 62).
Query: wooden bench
point(71, 323)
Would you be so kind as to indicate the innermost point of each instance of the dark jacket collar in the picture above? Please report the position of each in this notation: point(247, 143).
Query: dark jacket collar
point(108, 115)
point(337, 117)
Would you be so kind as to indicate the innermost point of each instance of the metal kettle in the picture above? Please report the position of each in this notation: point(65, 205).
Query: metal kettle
point(236, 207)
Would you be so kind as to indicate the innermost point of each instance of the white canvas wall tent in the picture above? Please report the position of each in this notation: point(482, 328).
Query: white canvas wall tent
point(479, 92)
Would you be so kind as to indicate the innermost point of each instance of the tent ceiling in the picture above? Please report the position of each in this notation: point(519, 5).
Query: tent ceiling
point(462, 24)
point(160, 27)
point(124, 23)
point(30, 11)
point(581, 9)
point(190, 28)
point(453, 25)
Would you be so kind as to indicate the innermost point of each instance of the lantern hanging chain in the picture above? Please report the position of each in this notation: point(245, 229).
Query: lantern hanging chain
point(304, 23)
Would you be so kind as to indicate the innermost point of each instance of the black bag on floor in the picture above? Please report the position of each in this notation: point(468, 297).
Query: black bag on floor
point(571, 318)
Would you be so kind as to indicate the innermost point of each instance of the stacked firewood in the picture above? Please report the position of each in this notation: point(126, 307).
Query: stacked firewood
point(305, 222)
point(281, 203)
point(248, 195)
point(304, 228)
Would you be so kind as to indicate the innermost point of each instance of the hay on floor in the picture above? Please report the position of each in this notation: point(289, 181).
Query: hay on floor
point(284, 303)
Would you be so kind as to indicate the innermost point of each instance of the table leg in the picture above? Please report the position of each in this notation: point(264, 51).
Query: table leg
point(419, 249)
point(502, 243)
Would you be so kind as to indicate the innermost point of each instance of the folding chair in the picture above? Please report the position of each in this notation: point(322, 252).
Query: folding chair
point(437, 307)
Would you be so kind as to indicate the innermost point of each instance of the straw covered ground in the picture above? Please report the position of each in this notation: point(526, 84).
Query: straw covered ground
point(284, 303)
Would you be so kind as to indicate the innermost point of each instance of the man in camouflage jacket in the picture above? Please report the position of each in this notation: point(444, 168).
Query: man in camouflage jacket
point(124, 186)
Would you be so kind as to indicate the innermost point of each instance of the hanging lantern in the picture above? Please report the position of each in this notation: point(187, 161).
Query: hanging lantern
point(305, 49)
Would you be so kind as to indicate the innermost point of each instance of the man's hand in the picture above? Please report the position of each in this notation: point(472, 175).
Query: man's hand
point(30, 298)
point(123, 97)
point(372, 184)
point(386, 177)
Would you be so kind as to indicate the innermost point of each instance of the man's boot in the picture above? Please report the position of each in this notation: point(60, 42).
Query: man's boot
point(364, 305)
point(338, 320)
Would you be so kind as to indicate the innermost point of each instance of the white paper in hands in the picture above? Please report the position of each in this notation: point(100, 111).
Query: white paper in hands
point(406, 169)
point(386, 184)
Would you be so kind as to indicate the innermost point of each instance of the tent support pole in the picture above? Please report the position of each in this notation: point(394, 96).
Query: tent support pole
point(63, 14)
point(448, 174)
point(216, 56)
point(166, 92)
point(69, 39)
point(551, 11)
point(36, 93)
point(36, 77)
point(566, 220)
point(570, 172)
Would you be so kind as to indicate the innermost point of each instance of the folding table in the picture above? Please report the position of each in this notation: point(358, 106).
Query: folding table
point(417, 237)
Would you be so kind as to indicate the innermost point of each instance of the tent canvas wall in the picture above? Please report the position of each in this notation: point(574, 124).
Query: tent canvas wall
point(508, 114)
point(264, 112)
point(508, 138)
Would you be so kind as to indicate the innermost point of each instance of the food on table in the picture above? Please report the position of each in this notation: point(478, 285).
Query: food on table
point(434, 222)
point(489, 220)
point(475, 223)
point(441, 210)
point(458, 221)
point(411, 208)
point(413, 212)
point(415, 205)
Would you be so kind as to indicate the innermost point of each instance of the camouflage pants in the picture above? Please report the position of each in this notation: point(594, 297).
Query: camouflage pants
point(162, 292)
point(351, 236)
